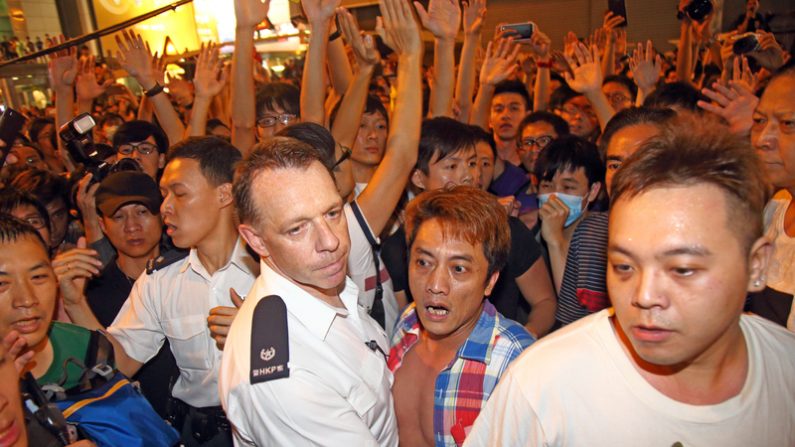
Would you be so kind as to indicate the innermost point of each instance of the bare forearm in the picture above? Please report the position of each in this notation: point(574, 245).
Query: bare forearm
point(609, 57)
point(541, 93)
point(382, 194)
point(346, 125)
point(243, 114)
point(145, 109)
point(684, 56)
point(198, 118)
point(80, 313)
point(339, 67)
point(480, 109)
point(604, 111)
point(168, 118)
point(312, 86)
point(64, 112)
point(558, 252)
point(465, 81)
point(443, 68)
point(542, 317)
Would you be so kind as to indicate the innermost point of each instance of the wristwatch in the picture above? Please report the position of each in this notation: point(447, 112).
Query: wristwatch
point(154, 90)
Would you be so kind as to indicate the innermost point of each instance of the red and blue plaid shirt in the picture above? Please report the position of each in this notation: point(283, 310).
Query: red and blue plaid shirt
point(463, 387)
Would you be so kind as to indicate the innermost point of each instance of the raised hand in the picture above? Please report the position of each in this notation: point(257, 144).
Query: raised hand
point(180, 90)
point(398, 28)
point(474, 15)
point(250, 13)
point(363, 46)
point(73, 268)
point(319, 11)
point(210, 77)
point(63, 69)
point(770, 55)
point(540, 44)
point(570, 42)
point(735, 103)
point(586, 69)
point(500, 61)
point(221, 318)
point(15, 350)
point(135, 57)
point(645, 66)
point(442, 18)
point(86, 83)
point(553, 216)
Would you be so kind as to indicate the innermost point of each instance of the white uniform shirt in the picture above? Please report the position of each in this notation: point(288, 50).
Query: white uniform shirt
point(174, 302)
point(338, 390)
point(577, 387)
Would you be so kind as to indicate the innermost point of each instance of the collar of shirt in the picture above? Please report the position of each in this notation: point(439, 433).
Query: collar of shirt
point(240, 259)
point(477, 347)
point(316, 315)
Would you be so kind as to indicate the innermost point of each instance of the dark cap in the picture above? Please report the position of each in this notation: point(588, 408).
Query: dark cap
point(121, 188)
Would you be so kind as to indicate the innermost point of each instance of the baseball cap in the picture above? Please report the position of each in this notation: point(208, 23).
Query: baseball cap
point(124, 187)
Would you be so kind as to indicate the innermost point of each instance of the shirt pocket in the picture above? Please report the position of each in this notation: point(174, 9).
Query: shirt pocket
point(361, 399)
point(188, 343)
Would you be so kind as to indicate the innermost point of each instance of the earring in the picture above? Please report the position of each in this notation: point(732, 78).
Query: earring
point(758, 283)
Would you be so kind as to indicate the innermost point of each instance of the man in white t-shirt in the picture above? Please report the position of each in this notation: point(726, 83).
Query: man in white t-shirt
point(674, 363)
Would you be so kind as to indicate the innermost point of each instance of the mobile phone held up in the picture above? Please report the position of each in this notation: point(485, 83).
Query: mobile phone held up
point(11, 123)
point(618, 8)
point(519, 31)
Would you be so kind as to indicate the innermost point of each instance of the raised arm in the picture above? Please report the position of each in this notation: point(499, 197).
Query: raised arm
point(498, 65)
point(442, 19)
point(249, 14)
point(208, 81)
point(339, 67)
point(609, 24)
point(62, 72)
point(587, 79)
point(313, 89)
point(400, 32)
point(684, 54)
point(645, 66)
point(86, 85)
point(349, 114)
point(540, 44)
point(135, 57)
point(473, 17)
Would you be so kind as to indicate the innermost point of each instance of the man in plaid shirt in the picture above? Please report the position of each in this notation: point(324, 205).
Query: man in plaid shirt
point(451, 345)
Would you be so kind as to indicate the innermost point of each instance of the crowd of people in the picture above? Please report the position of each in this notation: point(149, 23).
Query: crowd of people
point(500, 245)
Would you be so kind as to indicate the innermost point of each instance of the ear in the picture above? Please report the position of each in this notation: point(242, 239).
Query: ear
point(758, 260)
point(161, 161)
point(254, 240)
point(101, 221)
point(593, 194)
point(490, 283)
point(225, 194)
point(418, 178)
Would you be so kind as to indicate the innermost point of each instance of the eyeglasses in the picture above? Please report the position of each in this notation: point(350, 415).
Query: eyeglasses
point(141, 148)
point(271, 120)
point(36, 222)
point(541, 142)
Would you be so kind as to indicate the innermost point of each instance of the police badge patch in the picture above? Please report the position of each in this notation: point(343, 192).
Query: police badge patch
point(270, 350)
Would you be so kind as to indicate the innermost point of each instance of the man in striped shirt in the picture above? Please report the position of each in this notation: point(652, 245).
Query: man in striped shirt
point(451, 346)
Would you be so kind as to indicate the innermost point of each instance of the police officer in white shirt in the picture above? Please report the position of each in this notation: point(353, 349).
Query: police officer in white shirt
point(174, 297)
point(303, 364)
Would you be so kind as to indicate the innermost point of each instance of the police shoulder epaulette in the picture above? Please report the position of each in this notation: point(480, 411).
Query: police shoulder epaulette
point(165, 260)
point(270, 350)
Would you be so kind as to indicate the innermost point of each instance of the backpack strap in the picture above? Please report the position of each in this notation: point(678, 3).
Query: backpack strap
point(377, 310)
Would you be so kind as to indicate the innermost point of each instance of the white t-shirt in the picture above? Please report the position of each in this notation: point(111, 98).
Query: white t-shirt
point(781, 270)
point(338, 389)
point(577, 387)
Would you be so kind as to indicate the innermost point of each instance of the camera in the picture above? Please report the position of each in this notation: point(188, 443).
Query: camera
point(697, 10)
point(746, 43)
point(77, 137)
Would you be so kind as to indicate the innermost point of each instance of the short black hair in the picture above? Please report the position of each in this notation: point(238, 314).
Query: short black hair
point(139, 130)
point(110, 116)
point(278, 94)
point(630, 117)
point(443, 136)
point(11, 198)
point(478, 135)
point(13, 229)
point(216, 157)
point(570, 152)
point(44, 185)
point(626, 82)
point(212, 123)
point(561, 96)
point(36, 126)
point(514, 86)
point(316, 136)
point(372, 105)
point(559, 125)
point(675, 94)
